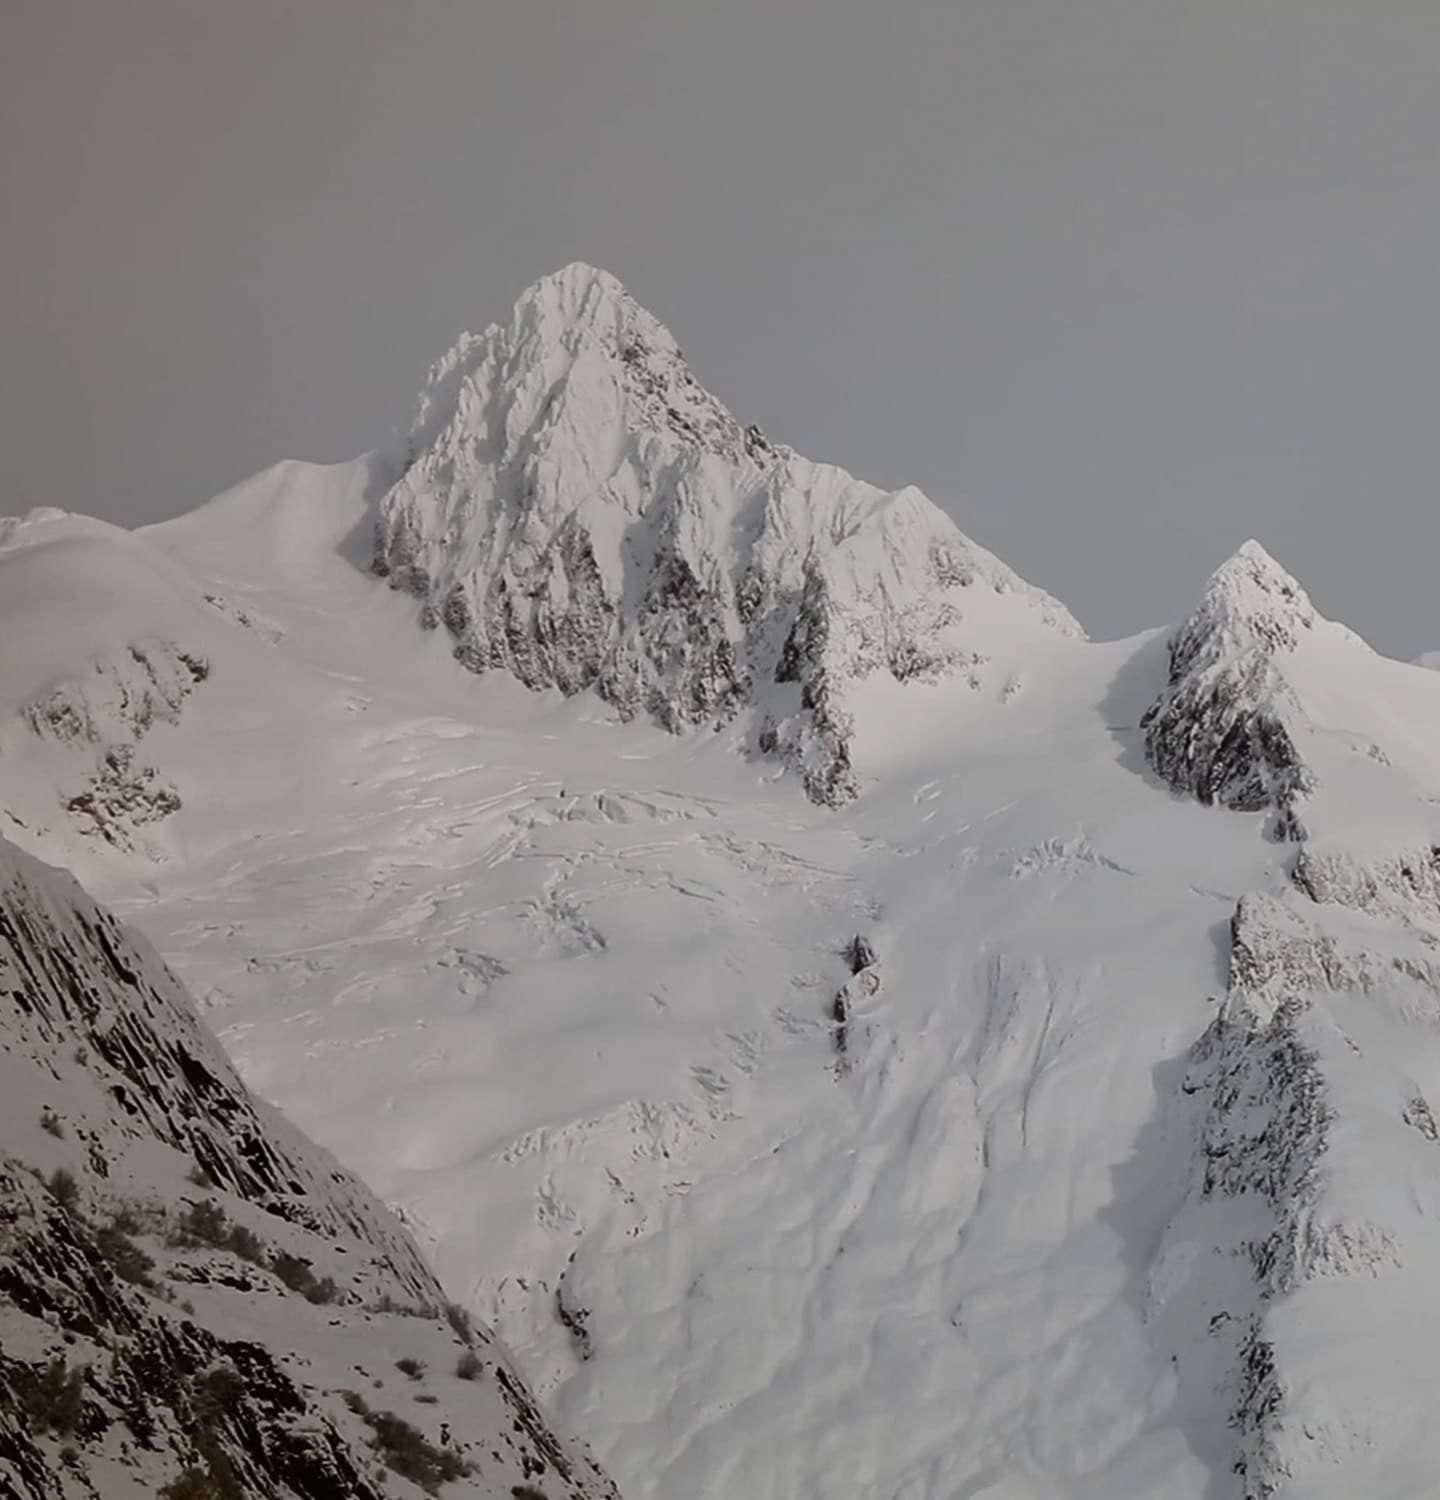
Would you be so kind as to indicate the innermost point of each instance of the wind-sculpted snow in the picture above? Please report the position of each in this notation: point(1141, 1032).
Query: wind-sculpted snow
point(1223, 728)
point(578, 511)
point(194, 1301)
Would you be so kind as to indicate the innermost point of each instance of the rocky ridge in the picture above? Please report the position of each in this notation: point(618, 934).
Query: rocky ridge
point(196, 1302)
point(1314, 1068)
point(1224, 728)
point(577, 510)
point(1310, 1074)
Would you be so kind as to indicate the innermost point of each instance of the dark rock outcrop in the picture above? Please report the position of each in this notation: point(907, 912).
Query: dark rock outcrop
point(1224, 728)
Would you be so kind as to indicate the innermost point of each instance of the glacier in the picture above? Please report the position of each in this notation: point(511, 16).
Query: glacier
point(849, 1033)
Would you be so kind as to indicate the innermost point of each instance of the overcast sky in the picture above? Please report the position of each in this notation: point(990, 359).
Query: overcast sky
point(1117, 282)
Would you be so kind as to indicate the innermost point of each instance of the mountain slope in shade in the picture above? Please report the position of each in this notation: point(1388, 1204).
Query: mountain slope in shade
point(578, 511)
point(194, 1300)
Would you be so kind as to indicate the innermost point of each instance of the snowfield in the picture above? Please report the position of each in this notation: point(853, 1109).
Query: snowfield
point(1012, 1078)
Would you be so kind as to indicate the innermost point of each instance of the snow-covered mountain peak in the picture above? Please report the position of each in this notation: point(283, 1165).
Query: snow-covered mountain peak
point(1266, 700)
point(1223, 727)
point(589, 315)
point(577, 510)
point(1250, 602)
point(578, 356)
point(770, 1138)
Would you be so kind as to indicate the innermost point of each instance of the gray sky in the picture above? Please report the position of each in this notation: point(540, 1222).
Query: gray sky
point(1118, 282)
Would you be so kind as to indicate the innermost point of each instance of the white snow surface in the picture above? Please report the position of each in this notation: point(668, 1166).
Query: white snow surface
point(1098, 1169)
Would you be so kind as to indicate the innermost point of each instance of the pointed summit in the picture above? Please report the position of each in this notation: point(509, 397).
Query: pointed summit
point(1251, 590)
point(577, 285)
point(1250, 566)
point(1251, 553)
point(579, 511)
point(580, 303)
point(578, 357)
point(1221, 729)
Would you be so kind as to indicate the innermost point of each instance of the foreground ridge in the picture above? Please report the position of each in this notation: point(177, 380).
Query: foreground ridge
point(194, 1300)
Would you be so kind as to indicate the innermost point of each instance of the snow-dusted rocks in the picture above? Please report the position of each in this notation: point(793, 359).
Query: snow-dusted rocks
point(1314, 1190)
point(1270, 707)
point(578, 511)
point(103, 715)
point(1222, 729)
point(115, 642)
point(194, 1300)
point(1404, 885)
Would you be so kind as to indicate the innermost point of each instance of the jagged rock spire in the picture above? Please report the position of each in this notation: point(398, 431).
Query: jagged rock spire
point(1222, 729)
point(579, 511)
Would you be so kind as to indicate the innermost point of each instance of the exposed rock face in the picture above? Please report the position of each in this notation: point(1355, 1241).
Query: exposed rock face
point(1311, 1209)
point(578, 511)
point(1298, 1102)
point(194, 1300)
point(1223, 728)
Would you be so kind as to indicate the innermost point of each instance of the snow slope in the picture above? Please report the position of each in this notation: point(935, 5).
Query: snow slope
point(194, 1300)
point(108, 640)
point(1008, 1130)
